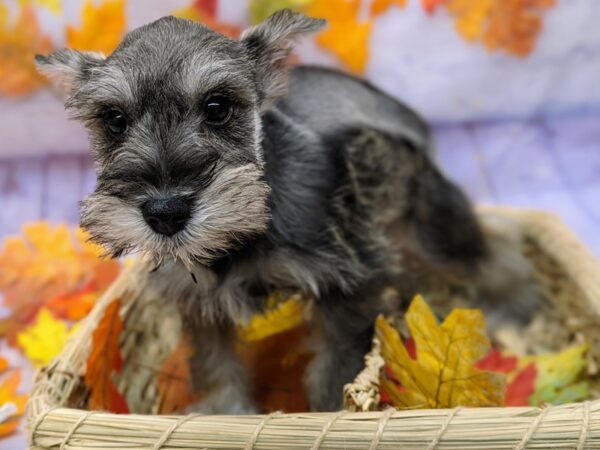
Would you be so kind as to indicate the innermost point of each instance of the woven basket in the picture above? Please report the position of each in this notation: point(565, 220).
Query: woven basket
point(567, 273)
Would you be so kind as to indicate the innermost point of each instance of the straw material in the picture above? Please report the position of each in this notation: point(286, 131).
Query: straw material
point(566, 272)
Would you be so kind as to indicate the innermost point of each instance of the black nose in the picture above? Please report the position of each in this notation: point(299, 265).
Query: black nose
point(167, 215)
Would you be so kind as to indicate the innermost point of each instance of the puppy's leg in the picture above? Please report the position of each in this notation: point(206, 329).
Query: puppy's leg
point(217, 371)
point(345, 331)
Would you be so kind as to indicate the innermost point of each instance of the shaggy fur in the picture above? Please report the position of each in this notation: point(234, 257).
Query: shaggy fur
point(318, 182)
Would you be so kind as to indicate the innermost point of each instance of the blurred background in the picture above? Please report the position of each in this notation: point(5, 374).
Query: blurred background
point(510, 86)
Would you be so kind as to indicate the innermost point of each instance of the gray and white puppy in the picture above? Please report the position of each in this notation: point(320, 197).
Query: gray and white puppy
point(215, 158)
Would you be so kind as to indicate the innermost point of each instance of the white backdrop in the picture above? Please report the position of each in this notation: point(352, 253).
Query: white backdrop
point(417, 58)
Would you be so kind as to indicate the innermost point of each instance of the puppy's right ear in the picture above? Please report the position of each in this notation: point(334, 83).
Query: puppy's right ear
point(67, 69)
point(269, 44)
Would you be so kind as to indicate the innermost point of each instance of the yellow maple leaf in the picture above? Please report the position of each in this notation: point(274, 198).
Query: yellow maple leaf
point(261, 9)
point(20, 41)
point(12, 404)
point(102, 27)
point(471, 16)
point(345, 35)
point(44, 339)
point(443, 373)
point(53, 5)
point(381, 6)
point(280, 317)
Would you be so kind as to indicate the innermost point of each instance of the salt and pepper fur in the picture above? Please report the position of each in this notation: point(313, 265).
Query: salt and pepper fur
point(318, 183)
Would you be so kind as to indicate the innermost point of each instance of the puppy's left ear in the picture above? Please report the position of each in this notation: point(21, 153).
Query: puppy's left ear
point(269, 44)
point(68, 69)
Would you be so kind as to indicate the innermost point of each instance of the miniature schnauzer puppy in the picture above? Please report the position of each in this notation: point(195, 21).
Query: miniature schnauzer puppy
point(217, 159)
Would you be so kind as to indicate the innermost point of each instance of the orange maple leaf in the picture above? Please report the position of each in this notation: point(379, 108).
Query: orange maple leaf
point(173, 382)
point(510, 25)
point(53, 267)
point(9, 396)
point(345, 36)
point(19, 43)
point(431, 5)
point(102, 27)
point(514, 25)
point(104, 361)
point(381, 6)
point(278, 363)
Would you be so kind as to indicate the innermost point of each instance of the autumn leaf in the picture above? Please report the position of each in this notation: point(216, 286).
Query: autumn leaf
point(280, 317)
point(379, 7)
point(52, 5)
point(559, 374)
point(430, 6)
point(345, 35)
point(555, 378)
point(51, 267)
point(261, 9)
point(522, 386)
point(102, 27)
point(520, 381)
point(514, 25)
point(173, 382)
point(44, 339)
point(12, 405)
point(278, 363)
point(443, 374)
point(104, 361)
point(20, 41)
point(204, 11)
point(510, 25)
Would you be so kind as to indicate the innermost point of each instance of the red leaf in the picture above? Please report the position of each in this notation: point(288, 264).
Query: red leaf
point(431, 5)
point(495, 362)
point(411, 347)
point(208, 7)
point(522, 387)
point(105, 360)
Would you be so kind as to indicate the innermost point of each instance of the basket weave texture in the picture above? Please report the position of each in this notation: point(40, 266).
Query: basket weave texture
point(566, 272)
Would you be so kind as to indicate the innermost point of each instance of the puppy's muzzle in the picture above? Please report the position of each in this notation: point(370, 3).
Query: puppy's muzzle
point(167, 216)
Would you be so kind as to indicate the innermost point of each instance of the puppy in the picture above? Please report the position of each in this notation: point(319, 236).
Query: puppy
point(216, 159)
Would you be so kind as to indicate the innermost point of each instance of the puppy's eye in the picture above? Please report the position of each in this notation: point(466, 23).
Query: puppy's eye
point(217, 109)
point(115, 122)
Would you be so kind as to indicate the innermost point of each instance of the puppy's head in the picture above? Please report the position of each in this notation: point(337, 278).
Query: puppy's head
point(174, 120)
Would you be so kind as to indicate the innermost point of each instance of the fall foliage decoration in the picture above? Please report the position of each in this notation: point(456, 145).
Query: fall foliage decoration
point(443, 374)
point(104, 362)
point(52, 5)
point(53, 274)
point(452, 364)
point(261, 9)
point(12, 404)
point(510, 25)
point(44, 339)
point(20, 40)
point(50, 267)
point(346, 35)
point(173, 381)
point(205, 12)
point(381, 6)
point(102, 27)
